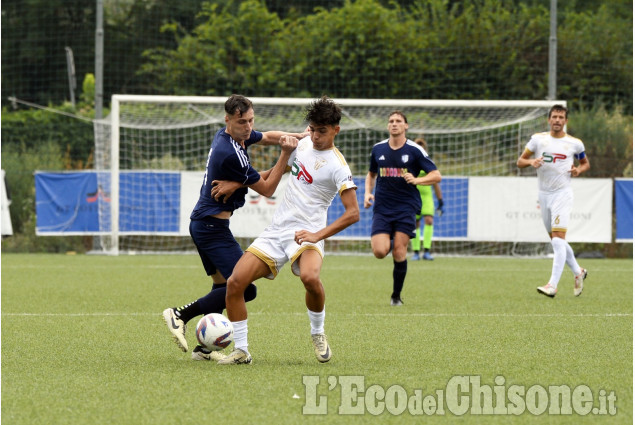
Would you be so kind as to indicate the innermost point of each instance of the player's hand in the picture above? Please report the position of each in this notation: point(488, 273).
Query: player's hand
point(288, 143)
point(410, 179)
point(537, 163)
point(302, 236)
point(224, 189)
point(574, 171)
point(440, 207)
point(368, 200)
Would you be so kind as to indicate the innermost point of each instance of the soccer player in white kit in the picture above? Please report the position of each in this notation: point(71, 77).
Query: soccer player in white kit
point(553, 155)
point(298, 229)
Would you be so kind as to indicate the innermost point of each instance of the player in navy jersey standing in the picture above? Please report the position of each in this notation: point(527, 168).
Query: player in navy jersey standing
point(228, 159)
point(394, 163)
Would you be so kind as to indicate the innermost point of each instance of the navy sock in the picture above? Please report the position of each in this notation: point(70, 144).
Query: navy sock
point(214, 302)
point(188, 311)
point(398, 277)
point(198, 307)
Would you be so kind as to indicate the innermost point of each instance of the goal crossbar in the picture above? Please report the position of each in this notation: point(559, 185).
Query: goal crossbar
point(453, 127)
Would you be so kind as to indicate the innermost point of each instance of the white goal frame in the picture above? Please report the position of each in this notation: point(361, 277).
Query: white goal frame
point(115, 123)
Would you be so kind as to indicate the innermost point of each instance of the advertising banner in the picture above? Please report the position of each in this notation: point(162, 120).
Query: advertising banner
point(624, 210)
point(476, 208)
point(66, 203)
point(507, 209)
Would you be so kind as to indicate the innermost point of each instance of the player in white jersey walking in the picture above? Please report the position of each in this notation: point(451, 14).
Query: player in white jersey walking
point(299, 228)
point(553, 155)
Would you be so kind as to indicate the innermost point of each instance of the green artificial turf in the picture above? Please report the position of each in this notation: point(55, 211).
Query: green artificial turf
point(83, 342)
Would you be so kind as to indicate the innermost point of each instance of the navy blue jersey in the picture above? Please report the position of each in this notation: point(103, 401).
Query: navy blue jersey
point(391, 190)
point(227, 160)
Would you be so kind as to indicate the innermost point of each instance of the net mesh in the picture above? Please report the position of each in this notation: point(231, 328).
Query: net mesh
point(162, 134)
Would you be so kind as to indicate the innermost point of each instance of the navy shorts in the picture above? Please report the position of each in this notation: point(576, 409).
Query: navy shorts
point(396, 221)
point(216, 245)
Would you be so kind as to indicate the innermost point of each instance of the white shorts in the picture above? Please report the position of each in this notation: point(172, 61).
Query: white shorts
point(276, 246)
point(555, 208)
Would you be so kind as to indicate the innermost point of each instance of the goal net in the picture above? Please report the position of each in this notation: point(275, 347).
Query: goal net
point(151, 150)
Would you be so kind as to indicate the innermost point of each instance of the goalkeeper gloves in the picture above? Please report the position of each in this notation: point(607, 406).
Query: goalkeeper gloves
point(439, 207)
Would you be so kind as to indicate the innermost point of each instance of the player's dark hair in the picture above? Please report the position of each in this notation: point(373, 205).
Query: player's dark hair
point(401, 114)
point(323, 111)
point(421, 142)
point(559, 108)
point(237, 102)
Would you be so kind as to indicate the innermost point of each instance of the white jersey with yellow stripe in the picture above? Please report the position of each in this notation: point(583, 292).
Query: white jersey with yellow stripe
point(316, 177)
point(558, 155)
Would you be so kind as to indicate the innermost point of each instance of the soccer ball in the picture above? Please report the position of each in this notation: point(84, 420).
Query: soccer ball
point(214, 332)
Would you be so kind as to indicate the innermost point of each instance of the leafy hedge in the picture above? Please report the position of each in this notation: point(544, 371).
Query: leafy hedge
point(435, 49)
point(30, 128)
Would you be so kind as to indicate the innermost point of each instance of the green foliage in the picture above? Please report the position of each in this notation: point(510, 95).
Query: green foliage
point(592, 41)
point(608, 140)
point(88, 90)
point(34, 35)
point(445, 49)
point(478, 49)
point(220, 55)
point(30, 128)
point(357, 47)
point(20, 162)
point(108, 354)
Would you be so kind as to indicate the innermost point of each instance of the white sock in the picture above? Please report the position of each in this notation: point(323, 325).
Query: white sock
point(571, 261)
point(559, 258)
point(240, 335)
point(317, 321)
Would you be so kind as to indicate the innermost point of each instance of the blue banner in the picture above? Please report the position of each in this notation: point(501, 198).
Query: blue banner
point(149, 202)
point(452, 224)
point(66, 203)
point(624, 210)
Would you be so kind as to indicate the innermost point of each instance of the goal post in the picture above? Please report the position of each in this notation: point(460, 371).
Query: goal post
point(151, 150)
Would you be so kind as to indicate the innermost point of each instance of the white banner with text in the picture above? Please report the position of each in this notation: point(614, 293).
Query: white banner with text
point(507, 209)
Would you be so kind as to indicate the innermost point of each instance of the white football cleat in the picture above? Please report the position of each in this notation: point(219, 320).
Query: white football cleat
point(201, 353)
point(237, 356)
point(547, 290)
point(579, 282)
point(177, 327)
point(321, 347)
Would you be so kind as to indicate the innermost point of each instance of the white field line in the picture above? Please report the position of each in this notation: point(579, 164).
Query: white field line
point(372, 265)
point(262, 313)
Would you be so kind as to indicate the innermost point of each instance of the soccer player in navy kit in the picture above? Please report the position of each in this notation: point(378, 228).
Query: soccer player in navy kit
point(228, 159)
point(394, 163)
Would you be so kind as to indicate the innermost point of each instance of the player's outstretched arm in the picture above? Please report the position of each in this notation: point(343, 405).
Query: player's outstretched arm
point(348, 217)
point(266, 187)
point(274, 137)
point(269, 180)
